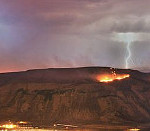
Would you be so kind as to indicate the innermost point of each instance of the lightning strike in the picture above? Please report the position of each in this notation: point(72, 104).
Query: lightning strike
point(127, 38)
point(129, 55)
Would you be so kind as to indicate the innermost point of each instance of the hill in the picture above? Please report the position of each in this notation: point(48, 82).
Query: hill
point(74, 96)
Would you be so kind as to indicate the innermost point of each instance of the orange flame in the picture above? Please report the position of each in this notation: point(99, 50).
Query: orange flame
point(111, 77)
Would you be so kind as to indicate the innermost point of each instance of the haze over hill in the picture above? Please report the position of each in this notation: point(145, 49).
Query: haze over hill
point(74, 96)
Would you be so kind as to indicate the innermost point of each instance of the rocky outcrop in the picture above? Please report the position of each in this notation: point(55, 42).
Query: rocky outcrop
point(74, 96)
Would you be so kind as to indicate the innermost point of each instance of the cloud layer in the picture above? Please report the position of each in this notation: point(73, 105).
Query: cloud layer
point(62, 33)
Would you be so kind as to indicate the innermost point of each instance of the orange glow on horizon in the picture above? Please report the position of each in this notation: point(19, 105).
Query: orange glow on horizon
point(111, 77)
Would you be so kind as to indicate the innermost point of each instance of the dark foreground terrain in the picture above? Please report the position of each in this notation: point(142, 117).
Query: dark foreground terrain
point(74, 96)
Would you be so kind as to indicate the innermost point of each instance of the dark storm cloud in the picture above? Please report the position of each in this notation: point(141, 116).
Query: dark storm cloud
point(62, 33)
point(131, 25)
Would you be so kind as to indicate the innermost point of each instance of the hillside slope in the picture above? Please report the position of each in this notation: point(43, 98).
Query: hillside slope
point(74, 96)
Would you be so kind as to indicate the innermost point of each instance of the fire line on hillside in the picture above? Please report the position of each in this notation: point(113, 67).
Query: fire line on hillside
point(111, 77)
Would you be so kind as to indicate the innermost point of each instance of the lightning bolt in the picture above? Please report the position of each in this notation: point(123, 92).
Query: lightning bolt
point(127, 38)
point(128, 56)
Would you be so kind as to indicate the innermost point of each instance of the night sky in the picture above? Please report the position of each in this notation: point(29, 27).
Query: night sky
point(73, 33)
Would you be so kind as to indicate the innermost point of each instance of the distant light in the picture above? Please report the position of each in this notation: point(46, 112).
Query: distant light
point(134, 129)
point(22, 122)
point(9, 126)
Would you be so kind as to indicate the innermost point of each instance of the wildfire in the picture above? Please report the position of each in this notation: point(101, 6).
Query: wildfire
point(111, 77)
